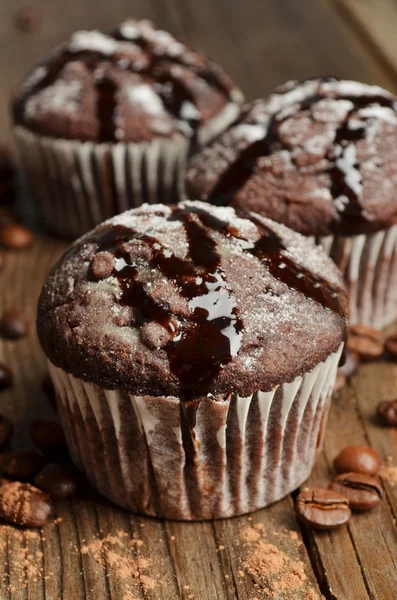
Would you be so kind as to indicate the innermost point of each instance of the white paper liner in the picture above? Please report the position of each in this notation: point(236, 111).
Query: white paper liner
point(240, 455)
point(369, 265)
point(78, 185)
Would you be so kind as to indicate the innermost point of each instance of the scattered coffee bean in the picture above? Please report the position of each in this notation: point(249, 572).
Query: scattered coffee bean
point(366, 342)
point(351, 365)
point(22, 464)
point(59, 481)
point(5, 378)
point(391, 345)
point(362, 491)
point(15, 236)
point(340, 382)
point(6, 431)
point(387, 412)
point(322, 509)
point(48, 436)
point(358, 459)
point(27, 19)
point(22, 504)
point(13, 324)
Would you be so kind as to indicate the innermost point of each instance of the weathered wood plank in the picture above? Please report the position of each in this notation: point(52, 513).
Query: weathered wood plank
point(369, 543)
point(376, 21)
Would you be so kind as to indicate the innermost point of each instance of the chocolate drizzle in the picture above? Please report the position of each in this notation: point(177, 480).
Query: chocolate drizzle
point(200, 345)
point(344, 170)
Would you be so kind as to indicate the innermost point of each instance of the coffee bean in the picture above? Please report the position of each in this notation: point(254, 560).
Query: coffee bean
point(59, 481)
point(27, 19)
point(22, 504)
point(340, 382)
point(322, 509)
point(6, 431)
point(387, 412)
point(15, 236)
point(13, 324)
point(48, 436)
point(5, 378)
point(351, 365)
point(362, 491)
point(391, 345)
point(358, 459)
point(366, 342)
point(22, 464)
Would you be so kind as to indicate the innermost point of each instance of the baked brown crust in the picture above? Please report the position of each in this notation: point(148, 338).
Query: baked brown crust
point(319, 156)
point(134, 84)
point(189, 300)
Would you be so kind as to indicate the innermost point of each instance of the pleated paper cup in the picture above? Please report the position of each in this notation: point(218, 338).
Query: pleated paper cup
point(369, 265)
point(195, 461)
point(77, 185)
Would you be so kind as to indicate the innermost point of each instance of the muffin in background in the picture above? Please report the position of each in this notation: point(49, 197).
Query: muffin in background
point(106, 122)
point(193, 352)
point(319, 156)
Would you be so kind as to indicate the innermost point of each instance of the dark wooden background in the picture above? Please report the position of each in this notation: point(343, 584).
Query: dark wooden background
point(261, 43)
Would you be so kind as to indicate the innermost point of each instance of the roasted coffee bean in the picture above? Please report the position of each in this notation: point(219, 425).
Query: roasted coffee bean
point(387, 412)
point(5, 378)
point(391, 345)
point(340, 382)
point(322, 509)
point(15, 236)
point(22, 464)
point(48, 436)
point(27, 19)
point(358, 459)
point(59, 481)
point(6, 431)
point(366, 342)
point(362, 491)
point(13, 324)
point(22, 504)
point(351, 365)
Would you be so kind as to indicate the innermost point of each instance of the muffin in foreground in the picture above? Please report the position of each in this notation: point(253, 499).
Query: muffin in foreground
point(106, 122)
point(319, 156)
point(193, 351)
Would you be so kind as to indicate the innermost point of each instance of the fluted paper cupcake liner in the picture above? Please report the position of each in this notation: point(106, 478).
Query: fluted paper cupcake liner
point(165, 458)
point(77, 185)
point(369, 265)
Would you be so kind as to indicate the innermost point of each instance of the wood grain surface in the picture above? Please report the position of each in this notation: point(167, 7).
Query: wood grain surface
point(91, 550)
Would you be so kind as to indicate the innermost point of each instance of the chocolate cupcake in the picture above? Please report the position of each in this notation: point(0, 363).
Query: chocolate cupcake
point(106, 122)
point(193, 352)
point(319, 156)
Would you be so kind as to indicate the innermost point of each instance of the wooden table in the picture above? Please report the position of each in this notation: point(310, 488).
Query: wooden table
point(92, 550)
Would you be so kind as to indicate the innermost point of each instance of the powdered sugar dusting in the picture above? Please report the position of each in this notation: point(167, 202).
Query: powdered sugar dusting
point(92, 41)
point(62, 96)
point(145, 99)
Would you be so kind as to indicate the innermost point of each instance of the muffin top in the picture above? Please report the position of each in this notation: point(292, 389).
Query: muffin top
point(134, 84)
point(191, 300)
point(319, 156)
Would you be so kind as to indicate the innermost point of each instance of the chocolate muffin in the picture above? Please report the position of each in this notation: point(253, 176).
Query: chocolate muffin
point(193, 351)
point(106, 122)
point(319, 156)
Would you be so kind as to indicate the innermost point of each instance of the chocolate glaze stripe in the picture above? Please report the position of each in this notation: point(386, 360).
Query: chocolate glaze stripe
point(343, 171)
